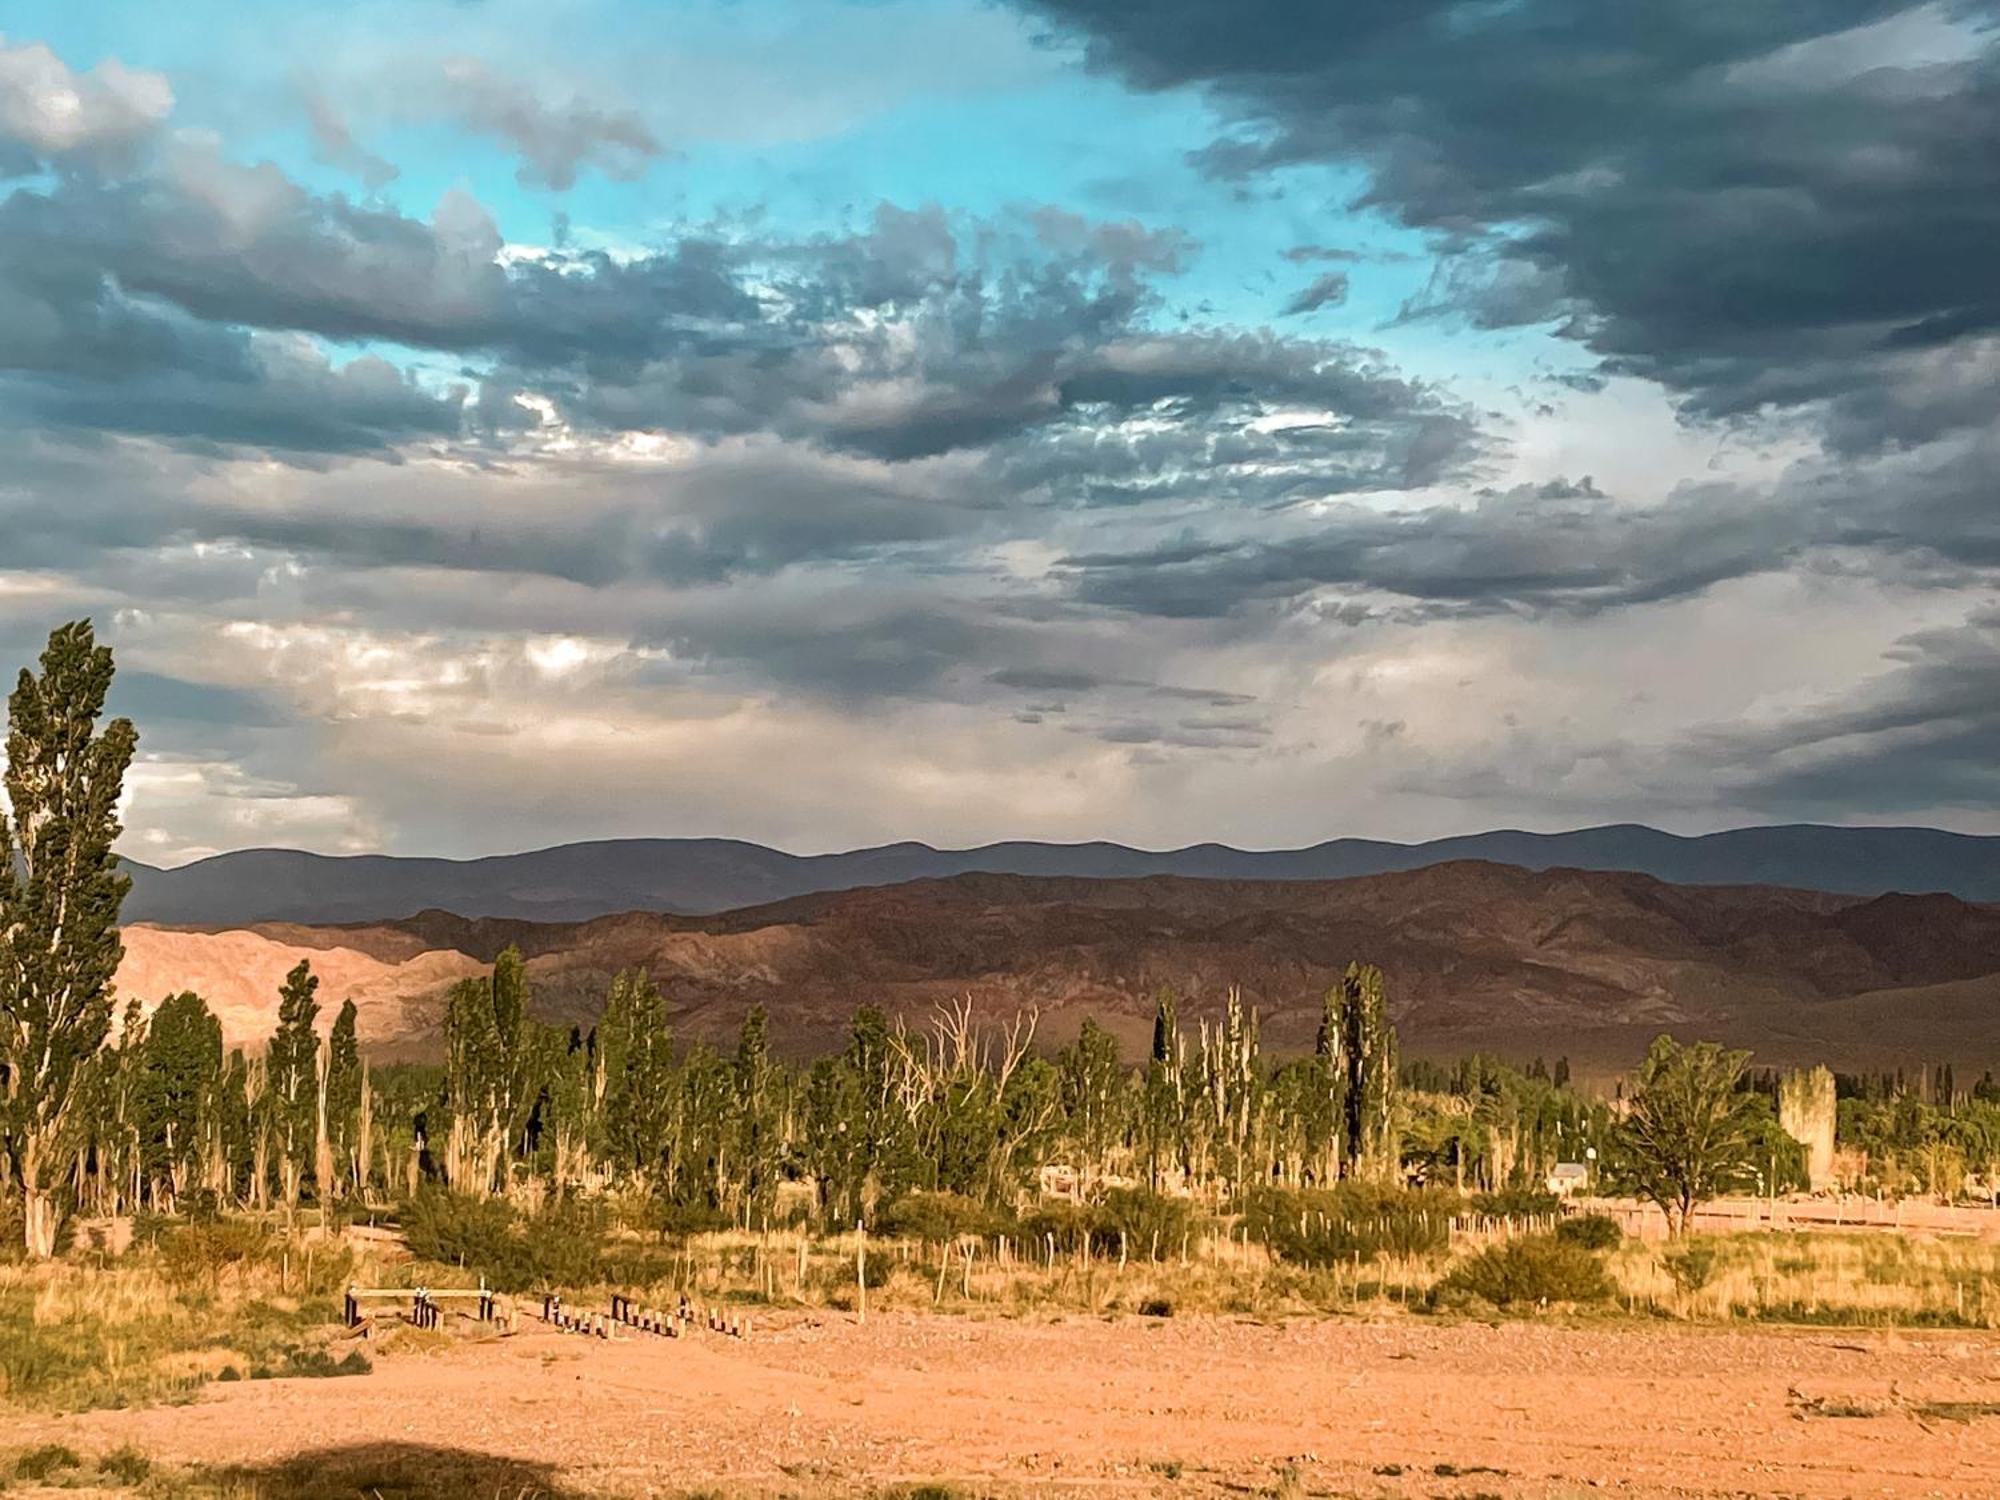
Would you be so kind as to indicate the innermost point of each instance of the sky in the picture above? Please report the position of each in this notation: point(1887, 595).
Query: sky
point(481, 424)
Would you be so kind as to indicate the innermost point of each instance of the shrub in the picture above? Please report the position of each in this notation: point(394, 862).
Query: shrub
point(1693, 1265)
point(1068, 1223)
point(315, 1364)
point(1537, 1269)
point(127, 1465)
point(835, 1278)
point(197, 1254)
point(1591, 1231)
point(563, 1246)
point(935, 1218)
point(680, 1221)
point(1141, 1222)
point(1325, 1226)
point(46, 1461)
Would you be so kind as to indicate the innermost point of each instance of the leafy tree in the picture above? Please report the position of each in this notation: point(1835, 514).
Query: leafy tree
point(1092, 1083)
point(182, 1094)
point(1166, 1094)
point(291, 1076)
point(1690, 1134)
point(1325, 1115)
point(495, 1061)
point(636, 1055)
point(1368, 1049)
point(60, 891)
point(344, 1085)
point(757, 1115)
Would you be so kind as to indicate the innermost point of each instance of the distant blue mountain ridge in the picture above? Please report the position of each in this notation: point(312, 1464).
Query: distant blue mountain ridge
point(574, 882)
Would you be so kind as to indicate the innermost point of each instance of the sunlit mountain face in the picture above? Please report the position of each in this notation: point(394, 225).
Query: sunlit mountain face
point(485, 425)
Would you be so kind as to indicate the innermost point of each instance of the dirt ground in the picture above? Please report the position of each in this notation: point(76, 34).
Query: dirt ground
point(1188, 1406)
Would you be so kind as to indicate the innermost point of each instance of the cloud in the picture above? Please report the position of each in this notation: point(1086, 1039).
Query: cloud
point(51, 115)
point(1913, 739)
point(1757, 210)
point(1328, 290)
point(556, 141)
point(1549, 547)
point(335, 145)
point(976, 524)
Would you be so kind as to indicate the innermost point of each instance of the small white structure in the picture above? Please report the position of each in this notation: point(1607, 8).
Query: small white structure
point(1568, 1177)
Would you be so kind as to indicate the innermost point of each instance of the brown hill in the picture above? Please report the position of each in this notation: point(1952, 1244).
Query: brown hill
point(1479, 956)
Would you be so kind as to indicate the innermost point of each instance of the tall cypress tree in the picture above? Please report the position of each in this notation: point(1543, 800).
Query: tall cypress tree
point(60, 890)
point(182, 1092)
point(1165, 1096)
point(343, 1101)
point(757, 1123)
point(291, 1066)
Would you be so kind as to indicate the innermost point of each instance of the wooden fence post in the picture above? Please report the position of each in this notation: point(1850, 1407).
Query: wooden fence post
point(861, 1271)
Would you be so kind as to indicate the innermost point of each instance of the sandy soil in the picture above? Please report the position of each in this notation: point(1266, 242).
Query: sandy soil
point(1188, 1406)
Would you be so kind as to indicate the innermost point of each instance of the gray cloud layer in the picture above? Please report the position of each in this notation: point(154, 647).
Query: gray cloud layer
point(954, 464)
point(1775, 205)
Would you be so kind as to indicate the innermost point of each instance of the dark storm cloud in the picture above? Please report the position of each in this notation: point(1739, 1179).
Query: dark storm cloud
point(1025, 338)
point(1550, 547)
point(1758, 205)
point(1916, 738)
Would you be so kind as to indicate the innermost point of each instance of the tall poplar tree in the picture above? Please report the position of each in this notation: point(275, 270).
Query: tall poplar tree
point(60, 890)
point(292, 1072)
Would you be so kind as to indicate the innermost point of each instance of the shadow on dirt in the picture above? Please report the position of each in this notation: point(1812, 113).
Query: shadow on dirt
point(383, 1471)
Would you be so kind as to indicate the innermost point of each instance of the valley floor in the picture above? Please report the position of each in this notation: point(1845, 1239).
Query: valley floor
point(1188, 1406)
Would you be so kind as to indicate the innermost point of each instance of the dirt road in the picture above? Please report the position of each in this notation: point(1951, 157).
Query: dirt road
point(1187, 1406)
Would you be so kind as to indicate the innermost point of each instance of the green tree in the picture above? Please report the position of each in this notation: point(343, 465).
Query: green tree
point(291, 1073)
point(496, 1062)
point(636, 1055)
point(1368, 1049)
point(343, 1087)
point(1691, 1132)
point(1092, 1084)
point(60, 891)
point(182, 1094)
point(1166, 1093)
point(757, 1116)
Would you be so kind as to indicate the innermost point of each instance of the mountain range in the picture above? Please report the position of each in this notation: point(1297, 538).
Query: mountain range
point(1479, 956)
point(576, 882)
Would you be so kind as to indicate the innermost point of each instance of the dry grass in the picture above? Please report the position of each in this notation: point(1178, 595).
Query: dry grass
point(161, 1321)
point(1863, 1280)
point(1858, 1280)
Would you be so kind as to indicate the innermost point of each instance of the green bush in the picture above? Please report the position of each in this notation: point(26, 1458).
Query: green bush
point(1591, 1231)
point(193, 1255)
point(1535, 1270)
point(1142, 1223)
point(1326, 1226)
point(935, 1218)
point(1068, 1223)
point(563, 1246)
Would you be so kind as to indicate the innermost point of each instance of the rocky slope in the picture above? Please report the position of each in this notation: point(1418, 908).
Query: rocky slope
point(1479, 956)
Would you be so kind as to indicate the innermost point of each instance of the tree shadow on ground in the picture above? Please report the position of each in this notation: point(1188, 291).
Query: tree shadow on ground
point(386, 1471)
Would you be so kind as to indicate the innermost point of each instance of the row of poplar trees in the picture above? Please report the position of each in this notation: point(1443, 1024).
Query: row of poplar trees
point(525, 1109)
point(155, 1113)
